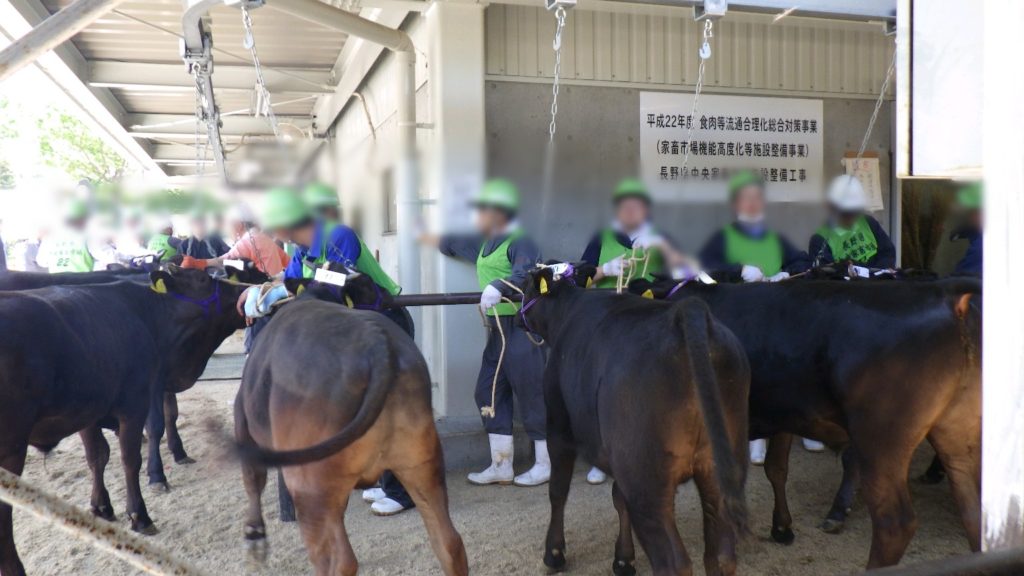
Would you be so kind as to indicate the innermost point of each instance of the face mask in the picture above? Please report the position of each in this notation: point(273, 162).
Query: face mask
point(748, 219)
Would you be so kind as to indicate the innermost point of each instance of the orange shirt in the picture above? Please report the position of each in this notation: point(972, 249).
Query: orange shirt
point(271, 259)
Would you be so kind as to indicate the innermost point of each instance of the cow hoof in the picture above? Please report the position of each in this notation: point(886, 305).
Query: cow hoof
point(184, 460)
point(783, 535)
point(555, 560)
point(159, 487)
point(257, 550)
point(623, 568)
point(831, 526)
point(105, 512)
point(143, 526)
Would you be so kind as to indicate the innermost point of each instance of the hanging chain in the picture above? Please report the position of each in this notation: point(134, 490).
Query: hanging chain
point(878, 105)
point(200, 119)
point(557, 45)
point(263, 103)
point(705, 54)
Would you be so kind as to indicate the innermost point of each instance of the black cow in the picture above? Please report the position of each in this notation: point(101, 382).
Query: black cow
point(654, 394)
point(73, 358)
point(14, 280)
point(337, 395)
point(877, 365)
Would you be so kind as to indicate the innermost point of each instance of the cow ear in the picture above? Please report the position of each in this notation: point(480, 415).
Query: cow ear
point(590, 281)
point(543, 285)
point(349, 302)
point(160, 281)
point(233, 277)
point(649, 294)
point(300, 289)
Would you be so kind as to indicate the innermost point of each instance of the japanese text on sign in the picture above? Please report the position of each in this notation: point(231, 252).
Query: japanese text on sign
point(780, 137)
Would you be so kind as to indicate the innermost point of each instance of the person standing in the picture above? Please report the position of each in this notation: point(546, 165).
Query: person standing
point(850, 234)
point(251, 243)
point(323, 201)
point(504, 255)
point(288, 218)
point(746, 249)
point(164, 242)
point(203, 244)
point(970, 200)
point(69, 250)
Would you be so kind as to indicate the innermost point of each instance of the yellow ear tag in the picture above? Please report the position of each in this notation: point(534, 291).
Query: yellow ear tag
point(300, 289)
point(543, 286)
point(159, 286)
point(233, 277)
point(349, 302)
point(590, 280)
point(649, 294)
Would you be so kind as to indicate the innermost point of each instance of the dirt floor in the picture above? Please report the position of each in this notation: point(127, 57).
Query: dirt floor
point(503, 527)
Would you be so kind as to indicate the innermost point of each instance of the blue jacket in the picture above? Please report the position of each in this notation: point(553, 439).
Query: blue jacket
point(342, 246)
point(971, 263)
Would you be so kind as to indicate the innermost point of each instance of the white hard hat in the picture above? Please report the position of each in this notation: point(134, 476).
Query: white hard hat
point(846, 194)
point(240, 213)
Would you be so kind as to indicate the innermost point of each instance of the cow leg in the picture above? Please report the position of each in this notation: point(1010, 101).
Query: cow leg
point(562, 452)
point(12, 459)
point(651, 505)
point(317, 527)
point(130, 439)
point(285, 503)
point(426, 485)
point(957, 441)
point(719, 539)
point(935, 472)
point(174, 443)
point(625, 553)
point(97, 454)
point(884, 488)
point(155, 435)
point(843, 502)
point(254, 478)
point(776, 468)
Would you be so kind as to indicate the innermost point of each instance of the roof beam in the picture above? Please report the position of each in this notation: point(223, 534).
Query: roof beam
point(862, 10)
point(146, 125)
point(67, 69)
point(143, 75)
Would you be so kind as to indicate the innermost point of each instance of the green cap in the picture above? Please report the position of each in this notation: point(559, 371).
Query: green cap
point(742, 179)
point(320, 195)
point(631, 188)
point(970, 196)
point(282, 208)
point(76, 209)
point(498, 193)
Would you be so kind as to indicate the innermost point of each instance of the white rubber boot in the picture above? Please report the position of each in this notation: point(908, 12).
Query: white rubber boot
point(541, 471)
point(500, 471)
point(596, 476)
point(387, 507)
point(758, 451)
point(373, 494)
point(813, 445)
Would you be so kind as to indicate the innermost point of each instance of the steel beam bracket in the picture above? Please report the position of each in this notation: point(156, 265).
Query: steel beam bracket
point(711, 9)
point(555, 4)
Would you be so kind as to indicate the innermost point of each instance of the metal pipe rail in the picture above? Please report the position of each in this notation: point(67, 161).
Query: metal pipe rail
point(444, 299)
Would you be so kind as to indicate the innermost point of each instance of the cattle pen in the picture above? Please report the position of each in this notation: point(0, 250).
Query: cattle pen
point(511, 287)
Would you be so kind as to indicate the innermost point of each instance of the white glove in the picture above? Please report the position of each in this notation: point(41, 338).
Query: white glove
point(751, 274)
point(612, 267)
point(490, 298)
point(254, 308)
point(647, 241)
point(779, 276)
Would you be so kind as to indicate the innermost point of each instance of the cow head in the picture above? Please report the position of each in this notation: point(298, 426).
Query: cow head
point(243, 271)
point(548, 283)
point(215, 299)
point(656, 289)
point(359, 290)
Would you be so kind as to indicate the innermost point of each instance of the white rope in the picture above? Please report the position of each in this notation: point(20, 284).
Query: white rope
point(109, 538)
point(878, 106)
point(263, 101)
point(705, 55)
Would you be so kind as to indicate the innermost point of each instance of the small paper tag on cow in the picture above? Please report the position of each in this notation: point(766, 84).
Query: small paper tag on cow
point(705, 278)
point(860, 272)
point(235, 264)
point(559, 270)
point(329, 277)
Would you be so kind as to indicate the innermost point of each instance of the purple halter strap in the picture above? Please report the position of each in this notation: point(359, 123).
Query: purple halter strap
point(377, 304)
point(206, 303)
point(569, 274)
point(677, 287)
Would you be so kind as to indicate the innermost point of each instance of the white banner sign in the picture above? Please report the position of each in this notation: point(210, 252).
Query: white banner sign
point(779, 137)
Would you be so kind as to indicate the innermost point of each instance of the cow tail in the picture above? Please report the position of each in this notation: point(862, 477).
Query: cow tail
point(964, 298)
point(694, 320)
point(380, 356)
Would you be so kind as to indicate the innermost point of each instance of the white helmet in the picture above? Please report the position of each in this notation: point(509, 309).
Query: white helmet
point(240, 213)
point(846, 194)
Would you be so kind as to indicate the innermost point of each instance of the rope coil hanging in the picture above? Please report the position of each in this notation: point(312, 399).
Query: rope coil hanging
point(705, 55)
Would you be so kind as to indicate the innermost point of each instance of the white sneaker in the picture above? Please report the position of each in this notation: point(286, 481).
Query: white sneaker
point(387, 507)
point(541, 471)
point(500, 471)
point(813, 445)
point(596, 476)
point(373, 495)
point(758, 451)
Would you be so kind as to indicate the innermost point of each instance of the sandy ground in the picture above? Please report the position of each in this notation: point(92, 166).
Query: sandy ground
point(503, 527)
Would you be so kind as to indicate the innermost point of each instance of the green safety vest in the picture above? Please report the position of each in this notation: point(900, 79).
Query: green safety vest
point(494, 266)
point(365, 264)
point(160, 242)
point(764, 252)
point(857, 244)
point(611, 249)
point(70, 254)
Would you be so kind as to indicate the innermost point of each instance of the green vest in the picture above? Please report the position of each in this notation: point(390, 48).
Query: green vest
point(764, 252)
point(365, 264)
point(70, 254)
point(611, 249)
point(857, 244)
point(494, 266)
point(160, 242)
